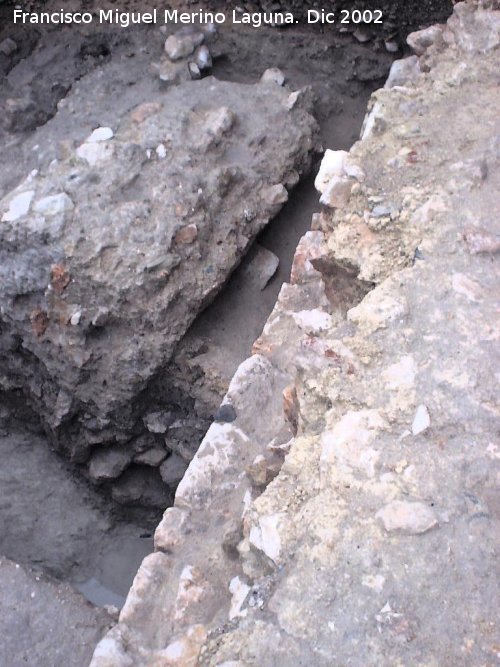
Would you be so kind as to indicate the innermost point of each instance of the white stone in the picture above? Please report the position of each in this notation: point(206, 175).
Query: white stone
point(421, 421)
point(110, 653)
point(426, 214)
point(273, 75)
point(203, 58)
point(158, 421)
point(53, 204)
point(420, 40)
point(190, 590)
point(347, 444)
point(332, 165)
point(377, 309)
point(239, 591)
point(403, 71)
point(275, 194)
point(374, 581)
point(100, 134)
point(410, 518)
point(94, 153)
point(371, 118)
point(362, 35)
point(217, 450)
point(182, 44)
point(19, 206)
point(183, 652)
point(353, 170)
point(400, 375)
point(337, 193)
point(265, 536)
point(313, 321)
point(75, 318)
point(161, 151)
point(391, 47)
point(292, 100)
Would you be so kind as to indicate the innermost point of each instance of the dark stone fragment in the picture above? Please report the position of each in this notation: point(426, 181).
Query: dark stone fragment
point(225, 414)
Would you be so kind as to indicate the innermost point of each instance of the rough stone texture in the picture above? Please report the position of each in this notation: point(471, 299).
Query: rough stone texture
point(108, 254)
point(374, 544)
point(58, 627)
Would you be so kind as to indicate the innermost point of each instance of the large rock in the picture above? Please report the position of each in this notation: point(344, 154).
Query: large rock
point(107, 256)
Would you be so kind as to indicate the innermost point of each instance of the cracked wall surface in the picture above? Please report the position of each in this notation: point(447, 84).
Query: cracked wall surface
point(349, 514)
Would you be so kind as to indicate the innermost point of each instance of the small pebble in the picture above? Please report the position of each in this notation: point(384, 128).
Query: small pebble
point(194, 70)
point(75, 318)
point(203, 58)
point(391, 47)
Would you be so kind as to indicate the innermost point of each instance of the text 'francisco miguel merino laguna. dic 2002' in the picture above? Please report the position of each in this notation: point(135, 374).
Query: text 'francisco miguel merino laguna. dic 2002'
point(199, 17)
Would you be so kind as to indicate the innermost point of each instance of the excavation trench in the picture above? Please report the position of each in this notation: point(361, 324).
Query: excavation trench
point(55, 520)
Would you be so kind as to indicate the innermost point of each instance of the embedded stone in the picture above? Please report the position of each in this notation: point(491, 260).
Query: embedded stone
point(410, 518)
point(378, 309)
point(403, 72)
point(183, 652)
point(332, 165)
point(347, 444)
point(169, 531)
point(145, 110)
point(275, 195)
point(401, 375)
point(420, 40)
point(186, 235)
point(8, 46)
point(265, 536)
point(262, 266)
point(94, 152)
point(19, 206)
point(225, 414)
point(100, 134)
point(172, 470)
point(151, 457)
point(421, 421)
point(202, 58)
point(337, 193)
point(53, 204)
point(109, 463)
point(183, 43)
point(239, 592)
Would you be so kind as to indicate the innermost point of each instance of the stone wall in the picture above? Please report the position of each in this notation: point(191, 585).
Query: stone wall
point(348, 512)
